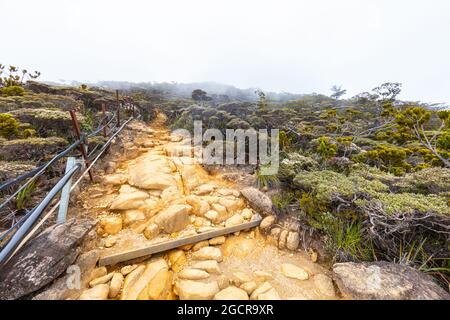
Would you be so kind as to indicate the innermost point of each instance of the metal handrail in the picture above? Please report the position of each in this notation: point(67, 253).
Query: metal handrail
point(22, 232)
point(39, 170)
point(48, 164)
point(26, 229)
point(101, 127)
point(14, 226)
point(31, 222)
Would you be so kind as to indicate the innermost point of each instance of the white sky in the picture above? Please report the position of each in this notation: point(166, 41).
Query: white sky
point(297, 46)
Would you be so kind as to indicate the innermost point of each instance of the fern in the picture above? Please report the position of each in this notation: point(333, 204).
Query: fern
point(25, 195)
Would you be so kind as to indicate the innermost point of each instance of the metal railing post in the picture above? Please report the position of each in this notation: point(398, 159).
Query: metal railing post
point(65, 193)
point(118, 108)
point(104, 119)
point(76, 128)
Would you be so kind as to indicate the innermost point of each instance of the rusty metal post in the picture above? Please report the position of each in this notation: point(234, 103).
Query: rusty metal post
point(118, 108)
point(76, 128)
point(104, 119)
point(125, 105)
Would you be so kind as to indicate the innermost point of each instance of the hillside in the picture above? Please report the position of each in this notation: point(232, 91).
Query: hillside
point(365, 179)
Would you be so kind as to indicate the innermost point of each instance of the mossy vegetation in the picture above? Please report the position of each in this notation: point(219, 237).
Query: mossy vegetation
point(369, 173)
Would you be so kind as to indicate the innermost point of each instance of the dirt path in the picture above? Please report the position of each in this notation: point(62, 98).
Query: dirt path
point(155, 194)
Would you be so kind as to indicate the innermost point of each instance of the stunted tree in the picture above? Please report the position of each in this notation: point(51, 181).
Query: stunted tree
point(382, 100)
point(386, 94)
point(338, 92)
point(416, 118)
point(200, 95)
point(13, 76)
point(12, 79)
point(262, 100)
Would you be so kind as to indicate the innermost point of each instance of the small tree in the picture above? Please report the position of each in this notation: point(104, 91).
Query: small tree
point(200, 95)
point(285, 140)
point(14, 76)
point(414, 119)
point(8, 125)
point(262, 100)
point(338, 92)
point(386, 95)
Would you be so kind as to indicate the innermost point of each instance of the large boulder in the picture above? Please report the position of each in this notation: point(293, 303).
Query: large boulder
point(43, 259)
point(195, 290)
point(136, 283)
point(129, 198)
point(259, 202)
point(174, 218)
point(149, 174)
point(385, 281)
point(60, 290)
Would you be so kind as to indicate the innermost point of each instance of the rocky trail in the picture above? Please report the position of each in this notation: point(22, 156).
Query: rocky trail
point(156, 225)
point(157, 194)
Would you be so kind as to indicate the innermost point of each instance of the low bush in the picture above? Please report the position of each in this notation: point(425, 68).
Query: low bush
point(8, 125)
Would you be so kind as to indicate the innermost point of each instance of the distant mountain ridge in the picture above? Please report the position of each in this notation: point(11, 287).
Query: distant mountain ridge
point(185, 89)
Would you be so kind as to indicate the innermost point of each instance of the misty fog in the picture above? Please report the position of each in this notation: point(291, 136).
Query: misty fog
point(291, 46)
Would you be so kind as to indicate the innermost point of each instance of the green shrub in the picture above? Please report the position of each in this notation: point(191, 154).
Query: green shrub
point(24, 196)
point(295, 163)
point(325, 185)
point(348, 240)
point(282, 200)
point(427, 181)
point(12, 91)
point(405, 203)
point(28, 133)
point(265, 180)
point(285, 140)
point(8, 125)
point(388, 157)
point(326, 149)
point(443, 141)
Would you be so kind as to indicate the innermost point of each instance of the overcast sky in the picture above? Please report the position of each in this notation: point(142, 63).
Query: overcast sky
point(297, 46)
